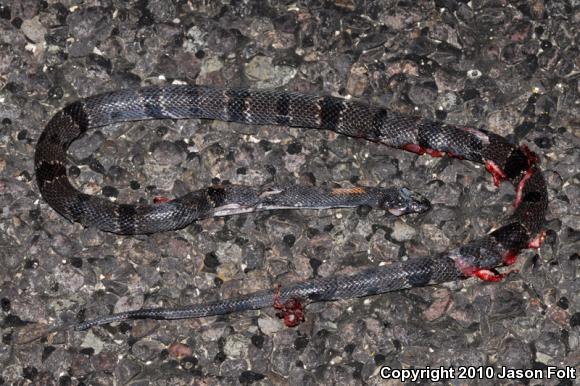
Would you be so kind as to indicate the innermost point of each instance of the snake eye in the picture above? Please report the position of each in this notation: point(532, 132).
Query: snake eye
point(409, 202)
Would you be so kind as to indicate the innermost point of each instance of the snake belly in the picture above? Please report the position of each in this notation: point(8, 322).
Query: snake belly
point(479, 257)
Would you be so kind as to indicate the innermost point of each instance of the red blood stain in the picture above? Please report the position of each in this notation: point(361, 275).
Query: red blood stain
point(160, 200)
point(496, 172)
point(291, 310)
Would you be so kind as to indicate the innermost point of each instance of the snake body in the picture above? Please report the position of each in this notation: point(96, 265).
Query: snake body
point(352, 118)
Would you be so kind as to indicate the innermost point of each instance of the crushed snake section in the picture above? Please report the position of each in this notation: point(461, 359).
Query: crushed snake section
point(479, 258)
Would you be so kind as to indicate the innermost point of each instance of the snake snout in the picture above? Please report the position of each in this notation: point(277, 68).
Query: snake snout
point(410, 202)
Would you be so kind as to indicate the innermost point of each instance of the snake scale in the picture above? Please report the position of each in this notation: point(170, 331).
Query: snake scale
point(480, 257)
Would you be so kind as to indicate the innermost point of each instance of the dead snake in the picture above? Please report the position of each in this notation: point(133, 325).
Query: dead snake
point(480, 257)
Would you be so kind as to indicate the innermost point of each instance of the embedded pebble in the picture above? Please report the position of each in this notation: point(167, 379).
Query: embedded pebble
point(269, 325)
point(235, 345)
point(402, 231)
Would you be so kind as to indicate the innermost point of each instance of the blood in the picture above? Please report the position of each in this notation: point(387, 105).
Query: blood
point(520, 188)
point(453, 155)
point(489, 275)
point(414, 148)
point(160, 200)
point(434, 153)
point(496, 172)
point(537, 241)
point(291, 310)
point(498, 176)
point(510, 257)
point(532, 159)
point(486, 274)
point(418, 149)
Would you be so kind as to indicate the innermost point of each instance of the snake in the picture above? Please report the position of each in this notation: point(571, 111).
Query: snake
point(480, 258)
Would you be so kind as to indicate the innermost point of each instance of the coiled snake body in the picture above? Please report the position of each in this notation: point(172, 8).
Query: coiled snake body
point(479, 258)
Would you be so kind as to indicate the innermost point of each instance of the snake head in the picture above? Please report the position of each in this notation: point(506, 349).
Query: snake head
point(407, 201)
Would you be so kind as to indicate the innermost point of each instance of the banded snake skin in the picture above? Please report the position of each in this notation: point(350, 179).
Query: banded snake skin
point(479, 258)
